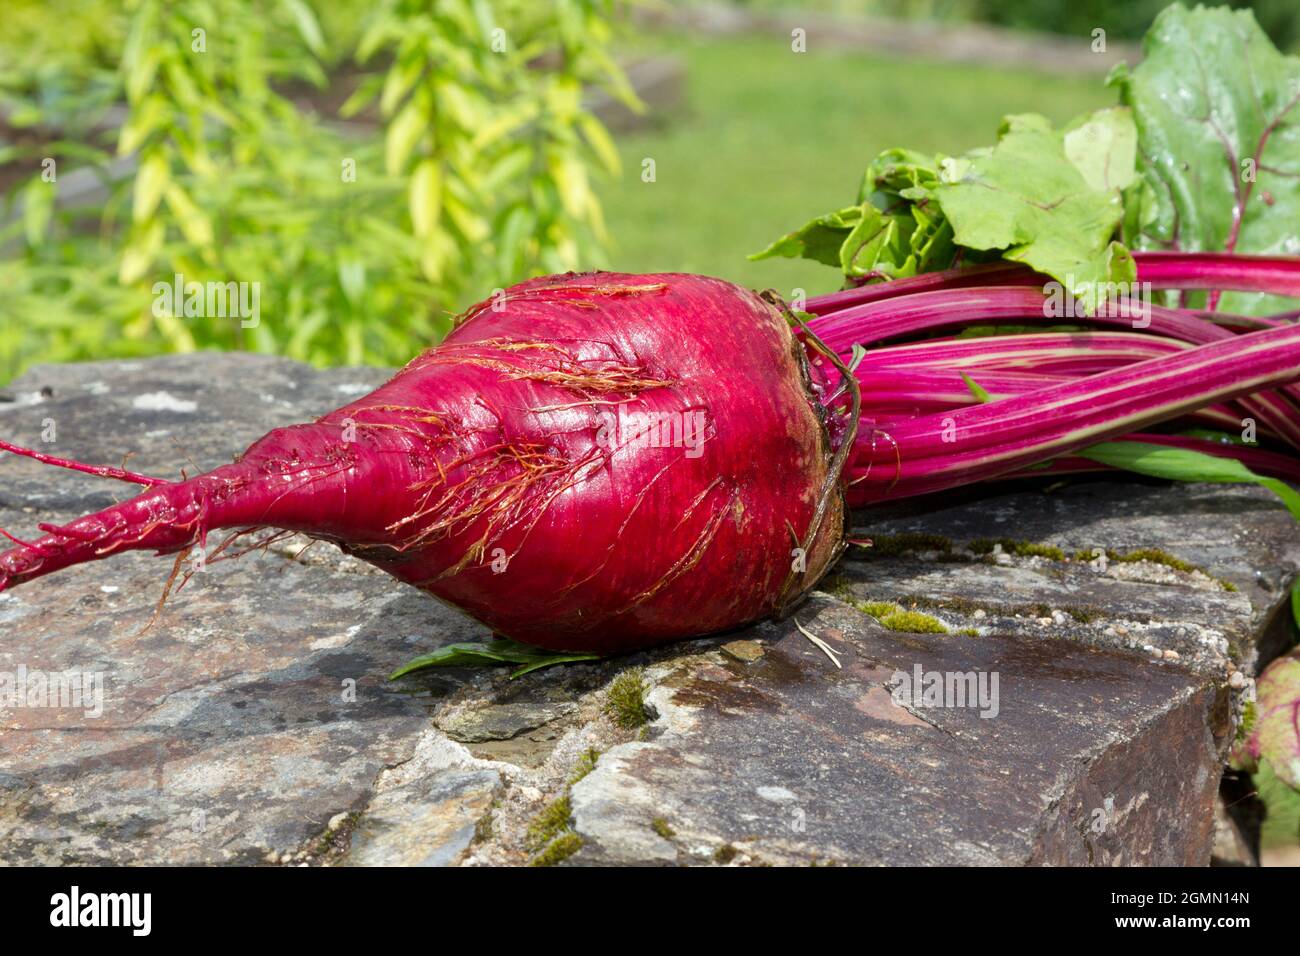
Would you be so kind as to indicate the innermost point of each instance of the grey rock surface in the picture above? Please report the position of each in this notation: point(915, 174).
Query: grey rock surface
point(250, 720)
point(1080, 756)
point(428, 822)
point(1231, 609)
point(499, 721)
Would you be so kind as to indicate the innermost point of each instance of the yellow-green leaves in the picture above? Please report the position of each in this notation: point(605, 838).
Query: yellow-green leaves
point(150, 181)
point(38, 204)
point(363, 243)
point(147, 117)
point(426, 197)
point(194, 223)
point(820, 239)
point(405, 130)
point(1051, 199)
point(1102, 146)
point(141, 251)
point(400, 79)
point(863, 241)
point(601, 144)
point(308, 27)
point(570, 175)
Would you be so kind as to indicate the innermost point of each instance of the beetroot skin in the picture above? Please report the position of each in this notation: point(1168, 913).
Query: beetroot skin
point(510, 472)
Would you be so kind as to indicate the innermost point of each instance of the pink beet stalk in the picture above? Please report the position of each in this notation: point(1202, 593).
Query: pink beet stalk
point(1217, 271)
point(889, 319)
point(945, 450)
point(1076, 353)
point(1278, 275)
point(995, 273)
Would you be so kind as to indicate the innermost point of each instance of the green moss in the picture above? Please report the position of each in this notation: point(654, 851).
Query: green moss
point(558, 850)
point(585, 765)
point(1155, 556)
point(725, 853)
point(877, 609)
point(913, 622)
point(485, 827)
point(969, 632)
point(1083, 613)
point(337, 837)
point(1027, 549)
point(625, 699)
point(895, 618)
point(661, 827)
point(959, 604)
point(1019, 547)
point(553, 820)
point(894, 545)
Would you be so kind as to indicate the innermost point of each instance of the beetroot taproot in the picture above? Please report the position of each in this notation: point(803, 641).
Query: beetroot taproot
point(587, 462)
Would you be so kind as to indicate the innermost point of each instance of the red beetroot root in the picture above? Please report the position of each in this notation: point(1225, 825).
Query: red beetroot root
point(501, 471)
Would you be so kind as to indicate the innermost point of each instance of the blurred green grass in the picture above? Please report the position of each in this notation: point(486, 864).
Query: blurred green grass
point(769, 138)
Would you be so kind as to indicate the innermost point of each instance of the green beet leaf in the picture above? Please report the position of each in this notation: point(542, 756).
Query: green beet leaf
point(1272, 736)
point(1182, 464)
point(1217, 109)
point(1051, 199)
point(1028, 198)
point(497, 651)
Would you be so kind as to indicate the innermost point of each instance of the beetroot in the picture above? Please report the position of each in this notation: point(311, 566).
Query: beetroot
point(588, 462)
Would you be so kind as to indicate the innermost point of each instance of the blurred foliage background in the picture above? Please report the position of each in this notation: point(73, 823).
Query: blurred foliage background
point(216, 128)
point(378, 166)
